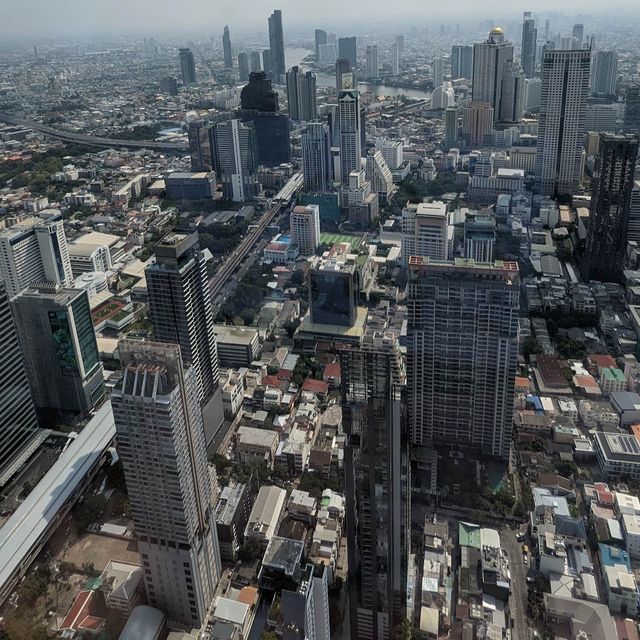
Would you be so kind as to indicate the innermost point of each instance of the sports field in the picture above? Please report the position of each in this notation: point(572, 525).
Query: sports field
point(332, 238)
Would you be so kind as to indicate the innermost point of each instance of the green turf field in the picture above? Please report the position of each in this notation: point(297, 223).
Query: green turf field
point(332, 238)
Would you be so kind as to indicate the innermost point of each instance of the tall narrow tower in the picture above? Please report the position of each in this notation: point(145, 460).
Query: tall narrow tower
point(276, 45)
point(188, 66)
point(162, 445)
point(350, 134)
point(226, 48)
point(529, 40)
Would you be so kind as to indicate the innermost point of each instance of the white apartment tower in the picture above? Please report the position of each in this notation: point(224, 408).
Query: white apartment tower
point(424, 231)
point(161, 442)
point(395, 59)
point(561, 127)
point(304, 226)
point(350, 141)
point(379, 175)
point(373, 65)
point(392, 151)
point(317, 166)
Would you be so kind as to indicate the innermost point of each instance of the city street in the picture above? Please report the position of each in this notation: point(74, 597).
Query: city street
point(518, 598)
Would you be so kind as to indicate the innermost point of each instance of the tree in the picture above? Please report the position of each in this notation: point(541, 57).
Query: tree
point(297, 278)
point(531, 346)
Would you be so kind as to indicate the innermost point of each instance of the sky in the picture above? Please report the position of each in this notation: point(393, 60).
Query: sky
point(57, 17)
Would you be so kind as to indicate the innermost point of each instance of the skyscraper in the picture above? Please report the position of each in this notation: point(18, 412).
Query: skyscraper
point(529, 40)
point(611, 190)
point(344, 75)
point(187, 66)
point(424, 231)
point(604, 73)
point(161, 442)
point(477, 122)
point(226, 48)
point(180, 307)
point(59, 347)
point(462, 352)
point(379, 175)
point(18, 423)
point(480, 236)
point(276, 45)
point(578, 35)
point(438, 72)
point(373, 65)
point(350, 140)
point(489, 61)
point(395, 59)
point(304, 227)
point(266, 61)
point(347, 49)
point(376, 482)
point(243, 66)
point(320, 38)
point(199, 135)
point(565, 88)
point(461, 61)
point(255, 63)
point(512, 94)
point(316, 158)
point(450, 127)
point(301, 94)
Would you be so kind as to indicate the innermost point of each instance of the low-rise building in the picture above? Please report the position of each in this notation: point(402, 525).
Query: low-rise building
point(265, 514)
point(232, 385)
point(256, 445)
point(618, 455)
point(232, 514)
point(302, 506)
point(237, 346)
point(612, 380)
point(122, 585)
point(621, 589)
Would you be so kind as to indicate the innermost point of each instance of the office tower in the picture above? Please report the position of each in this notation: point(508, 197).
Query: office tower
point(333, 291)
point(350, 139)
point(611, 190)
point(266, 61)
point(161, 442)
point(305, 611)
point(59, 346)
point(512, 94)
point(259, 104)
point(304, 226)
point(489, 59)
point(565, 87)
point(425, 231)
point(379, 175)
point(399, 40)
point(243, 66)
point(19, 435)
point(546, 30)
point(578, 35)
point(199, 135)
point(450, 127)
point(226, 48)
point(320, 38)
point(327, 53)
point(633, 230)
point(34, 250)
point(604, 73)
point(529, 40)
point(461, 61)
point(187, 66)
point(169, 85)
point(392, 151)
point(438, 72)
point(344, 75)
point(255, 63)
point(532, 93)
point(317, 167)
point(301, 94)
point(477, 122)
point(443, 97)
point(480, 236)
point(376, 482)
point(276, 46)
point(632, 106)
point(180, 307)
point(373, 65)
point(356, 196)
point(347, 49)
point(462, 352)
point(395, 59)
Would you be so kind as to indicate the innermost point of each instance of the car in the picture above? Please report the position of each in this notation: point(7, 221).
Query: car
point(530, 580)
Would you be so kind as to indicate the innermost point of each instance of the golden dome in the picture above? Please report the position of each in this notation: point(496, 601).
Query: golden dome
point(496, 31)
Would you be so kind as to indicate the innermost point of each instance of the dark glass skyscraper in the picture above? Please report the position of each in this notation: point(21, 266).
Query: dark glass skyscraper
point(276, 45)
point(320, 38)
point(461, 61)
point(611, 189)
point(199, 134)
point(347, 49)
point(226, 48)
point(301, 94)
point(188, 66)
point(529, 39)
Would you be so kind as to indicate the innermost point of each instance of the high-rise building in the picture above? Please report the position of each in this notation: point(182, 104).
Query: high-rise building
point(304, 226)
point(632, 106)
point(450, 127)
point(377, 480)
point(320, 39)
point(546, 30)
point(462, 352)
point(301, 94)
point(392, 151)
point(347, 49)
point(633, 230)
point(34, 250)
point(424, 231)
point(379, 175)
point(259, 104)
point(226, 48)
point(395, 59)
point(333, 291)
point(276, 46)
point(317, 166)
point(477, 122)
point(188, 66)
point(565, 88)
point(529, 42)
point(169, 85)
point(266, 61)
point(199, 135)
point(489, 61)
point(461, 61)
point(512, 94)
point(604, 73)
point(255, 63)
point(59, 347)
point(578, 35)
point(350, 139)
point(438, 72)
point(611, 190)
point(19, 435)
point(161, 442)
point(344, 75)
point(532, 93)
point(373, 65)
point(180, 307)
point(480, 236)
point(235, 158)
point(243, 66)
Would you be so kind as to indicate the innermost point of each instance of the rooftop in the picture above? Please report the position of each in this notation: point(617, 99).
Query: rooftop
point(283, 554)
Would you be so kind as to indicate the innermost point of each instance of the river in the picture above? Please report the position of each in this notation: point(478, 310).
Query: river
point(295, 55)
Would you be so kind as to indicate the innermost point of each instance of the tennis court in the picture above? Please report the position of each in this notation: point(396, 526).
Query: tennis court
point(333, 238)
